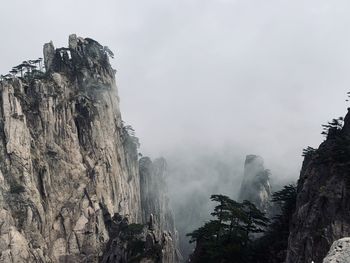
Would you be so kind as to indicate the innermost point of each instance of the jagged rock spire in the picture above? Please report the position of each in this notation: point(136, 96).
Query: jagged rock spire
point(255, 185)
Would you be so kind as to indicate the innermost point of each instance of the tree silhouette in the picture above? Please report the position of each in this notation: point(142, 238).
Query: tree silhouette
point(128, 135)
point(7, 77)
point(228, 237)
point(36, 63)
point(332, 127)
point(308, 151)
point(272, 246)
point(14, 72)
point(256, 221)
point(28, 66)
point(19, 68)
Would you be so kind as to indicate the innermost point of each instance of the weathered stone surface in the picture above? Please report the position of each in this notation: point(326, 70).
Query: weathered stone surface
point(49, 55)
point(138, 243)
point(156, 208)
point(323, 199)
point(255, 185)
point(63, 157)
point(69, 169)
point(339, 252)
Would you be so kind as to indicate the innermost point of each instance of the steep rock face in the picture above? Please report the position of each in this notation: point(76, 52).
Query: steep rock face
point(339, 252)
point(323, 198)
point(156, 208)
point(156, 241)
point(255, 185)
point(63, 160)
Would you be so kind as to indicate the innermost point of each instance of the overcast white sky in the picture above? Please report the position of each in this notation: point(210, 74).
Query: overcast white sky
point(258, 76)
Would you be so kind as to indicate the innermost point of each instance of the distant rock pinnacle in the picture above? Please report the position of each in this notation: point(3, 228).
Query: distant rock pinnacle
point(255, 185)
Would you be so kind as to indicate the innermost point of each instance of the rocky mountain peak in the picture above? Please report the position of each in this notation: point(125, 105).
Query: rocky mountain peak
point(80, 53)
point(69, 169)
point(255, 185)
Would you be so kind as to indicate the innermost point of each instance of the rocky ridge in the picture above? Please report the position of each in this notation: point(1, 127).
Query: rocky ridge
point(322, 208)
point(69, 171)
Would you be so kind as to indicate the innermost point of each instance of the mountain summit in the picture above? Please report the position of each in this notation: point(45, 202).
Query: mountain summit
point(69, 170)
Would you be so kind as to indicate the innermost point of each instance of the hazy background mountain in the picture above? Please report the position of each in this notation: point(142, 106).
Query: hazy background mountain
point(248, 74)
point(206, 82)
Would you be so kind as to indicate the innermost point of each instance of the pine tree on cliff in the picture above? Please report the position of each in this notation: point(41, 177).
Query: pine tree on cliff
point(332, 127)
point(228, 236)
point(256, 220)
point(272, 247)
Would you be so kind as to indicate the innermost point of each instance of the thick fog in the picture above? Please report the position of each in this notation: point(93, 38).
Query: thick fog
point(206, 82)
point(258, 76)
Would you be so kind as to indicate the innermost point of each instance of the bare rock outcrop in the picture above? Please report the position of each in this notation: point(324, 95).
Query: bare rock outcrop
point(156, 241)
point(322, 212)
point(67, 163)
point(155, 206)
point(339, 252)
point(255, 185)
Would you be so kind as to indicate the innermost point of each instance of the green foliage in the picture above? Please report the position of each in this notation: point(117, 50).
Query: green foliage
point(341, 149)
point(256, 220)
point(286, 196)
point(272, 247)
point(34, 74)
point(231, 236)
point(337, 150)
point(26, 71)
point(332, 127)
point(228, 236)
point(133, 230)
point(130, 233)
point(128, 135)
point(308, 151)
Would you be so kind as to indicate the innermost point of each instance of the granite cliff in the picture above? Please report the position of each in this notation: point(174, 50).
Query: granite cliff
point(322, 212)
point(69, 170)
point(339, 252)
point(156, 207)
point(255, 185)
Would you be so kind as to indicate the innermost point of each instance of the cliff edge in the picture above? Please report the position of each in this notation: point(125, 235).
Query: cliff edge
point(322, 212)
point(68, 166)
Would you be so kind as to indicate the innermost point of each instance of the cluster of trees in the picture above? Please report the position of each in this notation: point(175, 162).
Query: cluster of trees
point(228, 237)
point(129, 140)
point(338, 142)
point(31, 69)
point(241, 233)
point(27, 69)
point(272, 246)
point(332, 127)
point(128, 135)
point(308, 151)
